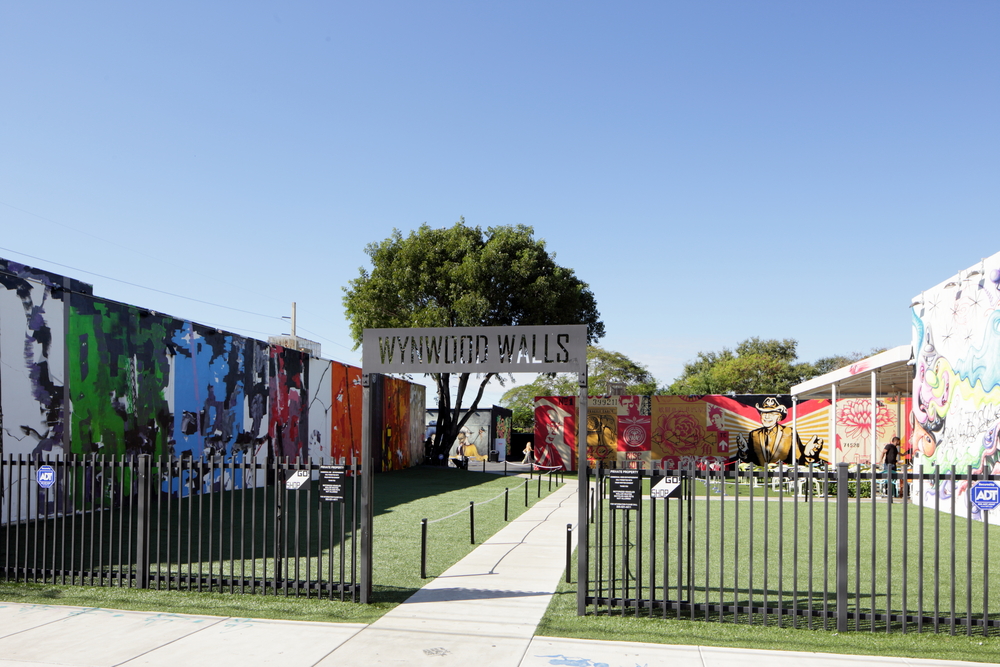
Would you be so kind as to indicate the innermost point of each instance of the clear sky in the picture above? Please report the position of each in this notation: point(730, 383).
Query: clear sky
point(714, 170)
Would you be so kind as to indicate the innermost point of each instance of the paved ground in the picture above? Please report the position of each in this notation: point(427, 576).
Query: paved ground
point(480, 613)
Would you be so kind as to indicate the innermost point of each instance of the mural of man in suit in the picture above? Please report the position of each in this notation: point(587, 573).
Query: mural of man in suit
point(773, 442)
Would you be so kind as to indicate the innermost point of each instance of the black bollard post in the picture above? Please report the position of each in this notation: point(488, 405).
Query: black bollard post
point(569, 549)
point(472, 523)
point(526, 494)
point(423, 548)
point(506, 501)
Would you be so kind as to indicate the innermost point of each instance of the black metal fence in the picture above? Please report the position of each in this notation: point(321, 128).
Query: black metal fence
point(276, 527)
point(836, 549)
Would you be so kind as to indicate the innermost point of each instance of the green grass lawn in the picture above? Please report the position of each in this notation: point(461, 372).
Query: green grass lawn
point(721, 572)
point(402, 499)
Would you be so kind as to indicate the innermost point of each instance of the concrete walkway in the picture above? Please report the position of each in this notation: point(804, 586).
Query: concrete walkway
point(480, 613)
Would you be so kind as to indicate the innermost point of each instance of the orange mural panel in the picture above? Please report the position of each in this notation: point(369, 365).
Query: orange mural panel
point(345, 418)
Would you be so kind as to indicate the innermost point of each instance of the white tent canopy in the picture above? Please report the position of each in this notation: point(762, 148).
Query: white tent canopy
point(884, 374)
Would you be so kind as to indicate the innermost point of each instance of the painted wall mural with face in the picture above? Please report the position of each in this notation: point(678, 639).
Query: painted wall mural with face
point(683, 431)
point(956, 387)
point(32, 378)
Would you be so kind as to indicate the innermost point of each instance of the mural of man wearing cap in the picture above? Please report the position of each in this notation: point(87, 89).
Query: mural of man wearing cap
point(772, 442)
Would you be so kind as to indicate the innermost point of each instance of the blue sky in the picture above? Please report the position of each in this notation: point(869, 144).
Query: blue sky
point(714, 170)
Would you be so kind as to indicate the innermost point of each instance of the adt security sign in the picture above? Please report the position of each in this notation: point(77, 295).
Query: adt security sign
point(986, 495)
point(46, 476)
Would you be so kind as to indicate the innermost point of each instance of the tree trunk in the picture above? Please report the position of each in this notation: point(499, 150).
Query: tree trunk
point(450, 418)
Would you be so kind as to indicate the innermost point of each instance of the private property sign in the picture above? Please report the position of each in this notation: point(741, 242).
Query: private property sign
point(534, 349)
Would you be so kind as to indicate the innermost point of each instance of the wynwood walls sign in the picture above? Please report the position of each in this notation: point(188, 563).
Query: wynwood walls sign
point(534, 349)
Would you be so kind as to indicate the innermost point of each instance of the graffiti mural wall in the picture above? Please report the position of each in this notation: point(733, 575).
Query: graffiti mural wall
point(85, 375)
point(956, 389)
point(486, 432)
point(636, 431)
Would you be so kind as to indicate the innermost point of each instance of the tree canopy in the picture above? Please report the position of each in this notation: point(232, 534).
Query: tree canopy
point(461, 276)
point(756, 366)
point(603, 368)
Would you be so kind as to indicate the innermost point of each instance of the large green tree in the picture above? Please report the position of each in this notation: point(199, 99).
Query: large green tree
point(756, 366)
point(604, 367)
point(462, 276)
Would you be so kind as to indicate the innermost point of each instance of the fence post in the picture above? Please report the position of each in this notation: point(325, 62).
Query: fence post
point(842, 546)
point(472, 522)
point(423, 548)
point(142, 521)
point(506, 499)
point(526, 494)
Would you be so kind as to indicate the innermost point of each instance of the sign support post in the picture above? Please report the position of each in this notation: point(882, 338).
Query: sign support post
point(366, 488)
point(582, 497)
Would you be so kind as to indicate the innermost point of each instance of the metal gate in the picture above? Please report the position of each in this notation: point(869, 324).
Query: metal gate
point(277, 527)
point(816, 548)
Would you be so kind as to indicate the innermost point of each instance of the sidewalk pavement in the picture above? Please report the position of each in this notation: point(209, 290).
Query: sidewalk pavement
point(482, 612)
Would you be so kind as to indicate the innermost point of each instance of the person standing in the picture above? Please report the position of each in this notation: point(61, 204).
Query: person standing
point(890, 455)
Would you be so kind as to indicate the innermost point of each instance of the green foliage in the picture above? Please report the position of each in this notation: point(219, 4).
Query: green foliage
point(603, 368)
point(756, 366)
point(461, 276)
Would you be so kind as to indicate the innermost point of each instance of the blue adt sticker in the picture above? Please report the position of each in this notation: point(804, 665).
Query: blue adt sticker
point(46, 476)
point(986, 495)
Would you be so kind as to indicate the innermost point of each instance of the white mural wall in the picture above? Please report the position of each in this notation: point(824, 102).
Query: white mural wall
point(956, 388)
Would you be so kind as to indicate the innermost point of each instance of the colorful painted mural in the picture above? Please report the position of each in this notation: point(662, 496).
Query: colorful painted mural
point(636, 431)
point(85, 375)
point(956, 389)
point(485, 431)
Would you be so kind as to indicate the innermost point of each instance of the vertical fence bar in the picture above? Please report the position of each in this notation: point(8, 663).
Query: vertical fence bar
point(736, 545)
point(472, 521)
point(826, 548)
point(142, 559)
point(722, 541)
point(986, 569)
point(652, 545)
point(666, 552)
point(842, 565)
point(937, 548)
point(890, 490)
point(920, 552)
point(769, 477)
point(857, 548)
point(906, 540)
point(874, 483)
point(968, 552)
point(951, 477)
